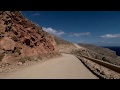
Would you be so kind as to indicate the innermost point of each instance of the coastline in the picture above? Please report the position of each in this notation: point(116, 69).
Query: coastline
point(114, 48)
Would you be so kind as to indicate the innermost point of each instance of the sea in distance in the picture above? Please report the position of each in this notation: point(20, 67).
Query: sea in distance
point(114, 48)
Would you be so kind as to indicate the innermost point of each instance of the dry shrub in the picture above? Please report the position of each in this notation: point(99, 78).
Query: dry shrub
point(1, 56)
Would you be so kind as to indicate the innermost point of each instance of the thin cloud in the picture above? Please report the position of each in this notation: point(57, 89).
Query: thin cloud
point(109, 42)
point(53, 31)
point(80, 34)
point(35, 14)
point(82, 41)
point(114, 42)
point(111, 36)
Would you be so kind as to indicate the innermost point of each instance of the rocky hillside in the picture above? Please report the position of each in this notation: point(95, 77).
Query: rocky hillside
point(100, 50)
point(21, 38)
point(65, 46)
point(100, 53)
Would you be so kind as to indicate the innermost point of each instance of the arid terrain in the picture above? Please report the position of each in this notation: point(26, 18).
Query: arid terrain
point(65, 67)
point(28, 52)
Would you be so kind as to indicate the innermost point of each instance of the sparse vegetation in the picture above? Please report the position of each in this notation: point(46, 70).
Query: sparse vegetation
point(100, 50)
point(39, 31)
point(22, 60)
point(104, 59)
point(18, 51)
point(1, 36)
point(1, 56)
point(14, 38)
point(102, 53)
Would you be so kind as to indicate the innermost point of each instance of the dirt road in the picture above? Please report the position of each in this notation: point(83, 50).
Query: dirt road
point(65, 67)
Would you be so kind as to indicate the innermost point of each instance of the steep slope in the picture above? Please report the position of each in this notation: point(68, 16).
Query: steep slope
point(21, 39)
point(100, 53)
point(65, 46)
point(100, 50)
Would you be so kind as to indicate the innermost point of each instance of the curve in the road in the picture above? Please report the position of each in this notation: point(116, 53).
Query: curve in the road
point(65, 67)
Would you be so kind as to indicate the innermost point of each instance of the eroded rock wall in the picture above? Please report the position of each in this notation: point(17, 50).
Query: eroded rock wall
point(21, 38)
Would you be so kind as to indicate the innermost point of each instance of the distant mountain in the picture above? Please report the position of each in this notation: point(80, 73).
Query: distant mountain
point(21, 39)
point(114, 48)
point(101, 53)
point(100, 50)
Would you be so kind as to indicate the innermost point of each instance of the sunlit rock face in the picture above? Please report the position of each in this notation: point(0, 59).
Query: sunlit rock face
point(20, 38)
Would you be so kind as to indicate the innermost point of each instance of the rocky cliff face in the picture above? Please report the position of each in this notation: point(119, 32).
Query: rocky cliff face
point(21, 38)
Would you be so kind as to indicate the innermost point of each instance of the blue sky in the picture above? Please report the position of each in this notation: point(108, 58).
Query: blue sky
point(100, 28)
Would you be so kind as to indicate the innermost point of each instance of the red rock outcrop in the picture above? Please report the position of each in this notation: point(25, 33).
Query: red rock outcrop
point(21, 38)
